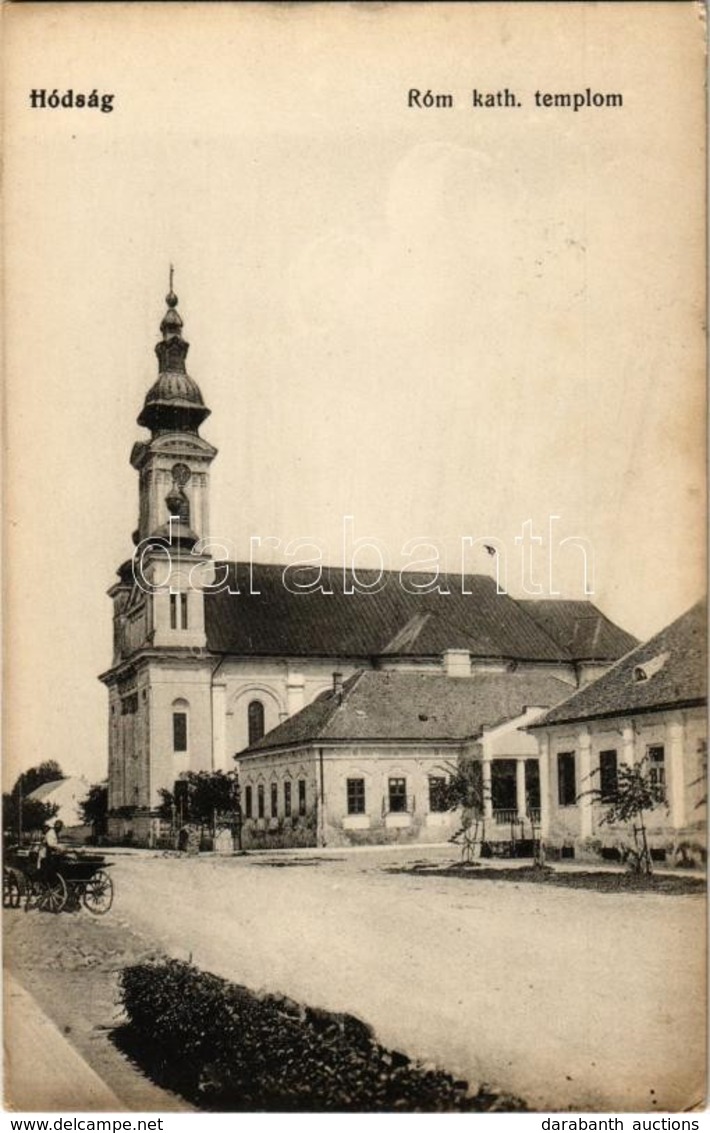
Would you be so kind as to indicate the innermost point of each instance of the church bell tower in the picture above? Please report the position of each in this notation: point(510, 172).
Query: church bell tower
point(159, 683)
point(173, 468)
point(174, 465)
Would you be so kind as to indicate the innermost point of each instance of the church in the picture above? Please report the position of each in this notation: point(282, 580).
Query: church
point(210, 657)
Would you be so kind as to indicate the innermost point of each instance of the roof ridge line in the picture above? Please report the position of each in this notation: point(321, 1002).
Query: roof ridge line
point(557, 644)
point(339, 567)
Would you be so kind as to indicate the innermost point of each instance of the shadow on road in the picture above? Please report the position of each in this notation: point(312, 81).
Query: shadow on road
point(604, 881)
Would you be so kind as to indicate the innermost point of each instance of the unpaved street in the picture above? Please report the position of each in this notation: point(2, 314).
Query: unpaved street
point(567, 998)
point(62, 972)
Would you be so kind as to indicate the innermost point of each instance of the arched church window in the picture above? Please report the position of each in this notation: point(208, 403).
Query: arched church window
point(255, 714)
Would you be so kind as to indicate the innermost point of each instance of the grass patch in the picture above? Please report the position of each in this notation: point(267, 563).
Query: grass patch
point(226, 1048)
point(602, 881)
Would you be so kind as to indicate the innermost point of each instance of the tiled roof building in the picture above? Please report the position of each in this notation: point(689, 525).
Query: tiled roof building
point(210, 656)
point(368, 758)
point(667, 672)
point(648, 709)
point(390, 705)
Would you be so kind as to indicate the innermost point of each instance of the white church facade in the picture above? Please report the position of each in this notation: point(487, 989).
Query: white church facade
point(210, 656)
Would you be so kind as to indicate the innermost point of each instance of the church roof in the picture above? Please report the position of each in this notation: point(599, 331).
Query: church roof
point(273, 620)
point(391, 705)
point(580, 627)
point(668, 670)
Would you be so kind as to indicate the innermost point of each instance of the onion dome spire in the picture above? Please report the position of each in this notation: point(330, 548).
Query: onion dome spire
point(174, 403)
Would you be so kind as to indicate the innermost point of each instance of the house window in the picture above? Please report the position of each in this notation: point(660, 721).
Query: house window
point(504, 787)
point(255, 714)
point(657, 768)
point(301, 796)
point(274, 800)
point(566, 779)
point(179, 731)
point(608, 768)
point(173, 611)
point(247, 802)
point(397, 795)
point(356, 796)
point(260, 800)
point(437, 793)
point(183, 610)
point(287, 798)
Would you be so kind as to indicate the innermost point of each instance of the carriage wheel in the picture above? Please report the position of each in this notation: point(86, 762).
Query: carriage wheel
point(98, 893)
point(10, 890)
point(52, 895)
point(14, 891)
point(74, 895)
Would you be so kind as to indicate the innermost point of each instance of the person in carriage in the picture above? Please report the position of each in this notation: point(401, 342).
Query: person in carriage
point(49, 849)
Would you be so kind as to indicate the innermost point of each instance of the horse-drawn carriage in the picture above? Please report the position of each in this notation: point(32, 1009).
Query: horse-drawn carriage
point(61, 880)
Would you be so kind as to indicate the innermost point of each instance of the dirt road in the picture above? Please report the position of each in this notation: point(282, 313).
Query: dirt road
point(567, 998)
point(62, 975)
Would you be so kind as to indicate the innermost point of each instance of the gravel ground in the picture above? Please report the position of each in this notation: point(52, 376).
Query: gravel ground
point(568, 998)
point(69, 964)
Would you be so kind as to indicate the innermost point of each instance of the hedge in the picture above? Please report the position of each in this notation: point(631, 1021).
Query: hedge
point(226, 1048)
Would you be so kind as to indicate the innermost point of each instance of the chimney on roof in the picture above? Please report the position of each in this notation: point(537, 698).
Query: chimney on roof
point(457, 663)
point(338, 686)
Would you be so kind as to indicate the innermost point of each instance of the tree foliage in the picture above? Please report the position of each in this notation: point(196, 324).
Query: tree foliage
point(465, 791)
point(200, 797)
point(634, 794)
point(34, 815)
point(21, 814)
point(94, 808)
point(464, 787)
point(29, 781)
point(166, 810)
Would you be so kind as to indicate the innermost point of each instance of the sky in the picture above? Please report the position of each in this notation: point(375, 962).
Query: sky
point(443, 322)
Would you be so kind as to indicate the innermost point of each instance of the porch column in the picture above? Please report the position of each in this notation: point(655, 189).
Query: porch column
point(674, 742)
point(487, 797)
point(585, 783)
point(219, 728)
point(544, 760)
point(520, 788)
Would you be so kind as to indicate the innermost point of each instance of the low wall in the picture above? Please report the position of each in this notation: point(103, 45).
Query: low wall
point(278, 833)
point(686, 848)
point(391, 829)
